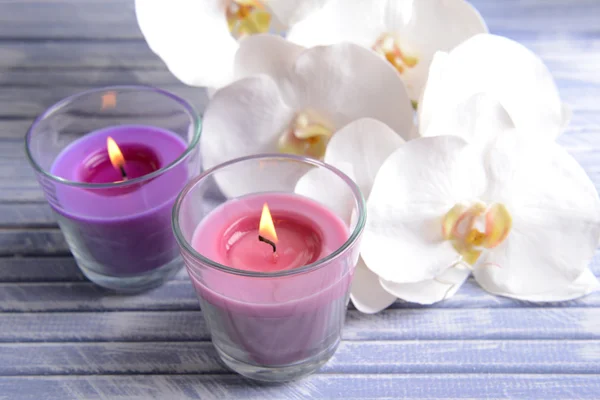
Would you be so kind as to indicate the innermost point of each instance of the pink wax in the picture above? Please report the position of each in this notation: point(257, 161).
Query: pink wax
point(299, 243)
point(273, 321)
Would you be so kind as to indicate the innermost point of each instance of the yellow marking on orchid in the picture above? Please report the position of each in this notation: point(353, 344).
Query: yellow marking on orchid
point(247, 17)
point(498, 223)
point(307, 135)
point(458, 226)
point(470, 256)
point(450, 219)
point(389, 48)
point(475, 238)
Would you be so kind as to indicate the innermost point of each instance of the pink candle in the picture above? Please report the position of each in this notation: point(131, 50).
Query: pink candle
point(273, 321)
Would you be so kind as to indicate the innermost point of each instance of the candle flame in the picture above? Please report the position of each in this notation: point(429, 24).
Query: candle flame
point(266, 228)
point(116, 157)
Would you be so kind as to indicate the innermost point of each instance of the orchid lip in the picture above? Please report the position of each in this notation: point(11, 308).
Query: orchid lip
point(462, 227)
point(389, 47)
point(308, 134)
point(247, 17)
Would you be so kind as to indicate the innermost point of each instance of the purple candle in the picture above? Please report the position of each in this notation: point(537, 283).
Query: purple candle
point(126, 230)
point(112, 179)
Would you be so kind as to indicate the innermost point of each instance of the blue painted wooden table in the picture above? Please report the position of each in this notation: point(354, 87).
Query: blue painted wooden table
point(63, 338)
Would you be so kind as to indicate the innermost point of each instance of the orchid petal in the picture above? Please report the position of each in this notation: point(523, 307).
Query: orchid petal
point(555, 213)
point(419, 183)
point(191, 37)
point(349, 82)
point(432, 290)
point(265, 54)
point(567, 114)
point(367, 294)
point(585, 284)
point(244, 118)
point(421, 28)
point(479, 119)
point(363, 145)
point(289, 12)
point(358, 22)
point(505, 70)
point(328, 189)
point(426, 26)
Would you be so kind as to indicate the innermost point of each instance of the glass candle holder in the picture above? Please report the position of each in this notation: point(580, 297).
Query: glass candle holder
point(275, 302)
point(115, 209)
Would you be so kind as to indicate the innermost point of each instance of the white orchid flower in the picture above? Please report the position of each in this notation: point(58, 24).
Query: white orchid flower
point(294, 100)
point(405, 32)
point(521, 215)
point(197, 39)
point(502, 69)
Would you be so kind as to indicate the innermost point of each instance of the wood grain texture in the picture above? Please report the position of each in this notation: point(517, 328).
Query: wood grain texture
point(325, 386)
point(392, 324)
point(17, 241)
point(36, 269)
point(178, 294)
point(56, 284)
point(372, 357)
point(31, 101)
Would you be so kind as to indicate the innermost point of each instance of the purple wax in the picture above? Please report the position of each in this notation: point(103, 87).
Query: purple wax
point(122, 230)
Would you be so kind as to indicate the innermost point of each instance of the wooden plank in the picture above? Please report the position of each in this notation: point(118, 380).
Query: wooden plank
point(32, 242)
point(24, 194)
point(35, 269)
point(522, 16)
point(49, 269)
point(87, 77)
point(86, 296)
point(389, 357)
point(562, 66)
point(29, 102)
point(178, 294)
point(116, 19)
point(567, 53)
point(392, 324)
point(68, 19)
point(13, 131)
point(23, 215)
point(77, 54)
point(322, 386)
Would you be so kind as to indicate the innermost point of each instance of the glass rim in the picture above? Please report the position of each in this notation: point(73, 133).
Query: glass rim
point(195, 119)
point(360, 223)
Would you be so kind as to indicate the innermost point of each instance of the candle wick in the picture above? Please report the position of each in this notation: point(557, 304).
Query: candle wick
point(123, 173)
point(263, 239)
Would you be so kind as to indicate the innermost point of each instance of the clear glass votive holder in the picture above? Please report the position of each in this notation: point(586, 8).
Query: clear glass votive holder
point(115, 212)
point(270, 319)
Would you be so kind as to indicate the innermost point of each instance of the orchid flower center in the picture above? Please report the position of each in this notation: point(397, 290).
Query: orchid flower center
point(307, 135)
point(474, 228)
point(247, 17)
point(388, 47)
